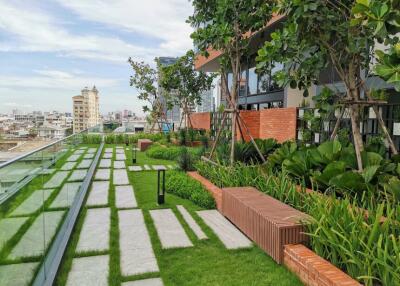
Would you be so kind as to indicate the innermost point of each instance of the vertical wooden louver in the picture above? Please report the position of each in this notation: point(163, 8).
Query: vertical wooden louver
point(270, 223)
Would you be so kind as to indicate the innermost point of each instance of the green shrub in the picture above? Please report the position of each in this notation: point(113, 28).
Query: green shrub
point(185, 160)
point(172, 153)
point(91, 139)
point(123, 138)
point(180, 184)
point(367, 249)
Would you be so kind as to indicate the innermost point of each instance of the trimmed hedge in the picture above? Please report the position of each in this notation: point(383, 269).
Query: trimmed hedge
point(170, 153)
point(180, 184)
point(123, 138)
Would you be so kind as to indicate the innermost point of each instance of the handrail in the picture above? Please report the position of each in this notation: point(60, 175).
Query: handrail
point(9, 162)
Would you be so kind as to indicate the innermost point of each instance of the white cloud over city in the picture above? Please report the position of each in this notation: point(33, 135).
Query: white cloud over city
point(65, 45)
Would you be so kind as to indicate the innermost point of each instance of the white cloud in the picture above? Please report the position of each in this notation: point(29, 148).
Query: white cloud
point(35, 30)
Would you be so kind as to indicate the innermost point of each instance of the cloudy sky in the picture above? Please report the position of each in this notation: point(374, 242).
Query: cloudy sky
point(51, 49)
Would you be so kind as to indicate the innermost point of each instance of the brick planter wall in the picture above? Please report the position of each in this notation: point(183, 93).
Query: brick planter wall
point(143, 144)
point(314, 270)
point(278, 123)
point(201, 120)
point(252, 120)
point(213, 189)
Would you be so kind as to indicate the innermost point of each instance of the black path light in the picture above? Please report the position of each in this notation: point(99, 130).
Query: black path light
point(134, 153)
point(160, 184)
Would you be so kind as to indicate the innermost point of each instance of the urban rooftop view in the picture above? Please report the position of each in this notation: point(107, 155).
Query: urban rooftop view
point(192, 142)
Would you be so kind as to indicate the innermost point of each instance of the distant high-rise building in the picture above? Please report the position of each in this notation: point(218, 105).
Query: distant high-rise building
point(86, 109)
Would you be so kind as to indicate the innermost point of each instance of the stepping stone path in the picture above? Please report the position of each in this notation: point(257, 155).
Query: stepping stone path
point(33, 203)
point(120, 157)
point(99, 194)
point(73, 158)
point(103, 174)
point(230, 236)
point(125, 197)
point(89, 271)
point(109, 150)
point(66, 196)
point(120, 177)
point(88, 156)
point(136, 253)
point(32, 242)
point(17, 274)
point(144, 282)
point(95, 233)
point(169, 230)
point(8, 228)
point(57, 180)
point(79, 152)
point(119, 165)
point(107, 155)
point(105, 163)
point(135, 168)
point(159, 167)
point(147, 167)
point(68, 166)
point(85, 164)
point(191, 222)
point(77, 175)
point(120, 151)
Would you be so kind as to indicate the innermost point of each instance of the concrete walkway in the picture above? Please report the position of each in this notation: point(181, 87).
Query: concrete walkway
point(89, 271)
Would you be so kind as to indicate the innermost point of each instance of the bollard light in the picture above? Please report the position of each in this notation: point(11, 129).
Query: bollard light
point(161, 186)
point(134, 154)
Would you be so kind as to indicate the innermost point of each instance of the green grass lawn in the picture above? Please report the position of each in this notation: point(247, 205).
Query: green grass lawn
point(207, 263)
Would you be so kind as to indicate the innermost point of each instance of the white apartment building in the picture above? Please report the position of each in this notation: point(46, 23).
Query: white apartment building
point(86, 109)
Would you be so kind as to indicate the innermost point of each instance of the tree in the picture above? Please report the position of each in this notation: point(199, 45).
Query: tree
point(226, 25)
point(145, 80)
point(184, 85)
point(321, 33)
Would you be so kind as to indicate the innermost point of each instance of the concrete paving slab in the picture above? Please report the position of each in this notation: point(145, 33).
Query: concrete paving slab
point(47, 171)
point(119, 147)
point(92, 150)
point(191, 222)
point(9, 227)
point(119, 165)
point(169, 230)
point(147, 167)
point(105, 163)
point(136, 253)
point(82, 148)
point(68, 166)
point(77, 175)
point(144, 282)
point(33, 203)
point(120, 177)
point(85, 164)
point(120, 157)
point(120, 151)
point(35, 240)
point(89, 271)
point(95, 233)
point(98, 195)
point(17, 274)
point(109, 150)
point(66, 195)
point(107, 155)
point(79, 152)
point(103, 175)
point(135, 168)
point(88, 156)
point(230, 236)
point(125, 197)
point(57, 180)
point(73, 158)
point(159, 167)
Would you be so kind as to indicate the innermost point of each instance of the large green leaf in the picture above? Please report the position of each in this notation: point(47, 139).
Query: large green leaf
point(331, 170)
point(349, 181)
point(330, 149)
point(371, 159)
point(369, 173)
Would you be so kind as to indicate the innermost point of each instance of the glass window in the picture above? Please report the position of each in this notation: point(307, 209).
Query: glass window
point(243, 83)
point(275, 69)
point(263, 83)
point(230, 77)
point(252, 82)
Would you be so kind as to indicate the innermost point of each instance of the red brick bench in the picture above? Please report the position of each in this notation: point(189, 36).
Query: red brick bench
point(270, 223)
point(143, 144)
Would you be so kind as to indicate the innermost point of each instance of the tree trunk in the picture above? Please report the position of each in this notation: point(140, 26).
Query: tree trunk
point(233, 137)
point(337, 124)
point(357, 138)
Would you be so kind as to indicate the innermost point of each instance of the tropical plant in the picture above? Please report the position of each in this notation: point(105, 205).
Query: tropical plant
point(185, 160)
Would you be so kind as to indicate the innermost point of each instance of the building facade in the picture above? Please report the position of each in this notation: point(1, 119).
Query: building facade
point(86, 109)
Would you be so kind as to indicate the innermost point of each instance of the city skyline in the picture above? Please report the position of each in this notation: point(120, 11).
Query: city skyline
point(50, 50)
